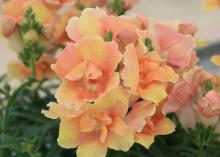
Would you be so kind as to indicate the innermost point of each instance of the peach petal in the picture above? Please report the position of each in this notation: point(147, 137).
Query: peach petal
point(136, 117)
point(8, 25)
point(68, 134)
point(119, 127)
point(65, 94)
point(165, 126)
point(103, 134)
point(180, 96)
point(145, 140)
point(91, 149)
point(87, 124)
point(166, 35)
point(154, 92)
point(216, 60)
point(131, 67)
point(214, 99)
point(115, 102)
point(88, 24)
point(184, 48)
point(61, 111)
point(77, 72)
point(170, 75)
point(105, 55)
point(122, 143)
point(67, 60)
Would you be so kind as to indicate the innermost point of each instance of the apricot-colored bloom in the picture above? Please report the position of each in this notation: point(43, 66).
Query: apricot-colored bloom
point(98, 127)
point(148, 122)
point(87, 69)
point(211, 4)
point(216, 60)
point(87, 24)
point(147, 75)
point(97, 22)
point(176, 47)
point(17, 70)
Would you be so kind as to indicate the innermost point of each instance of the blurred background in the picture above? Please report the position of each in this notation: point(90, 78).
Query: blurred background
point(208, 24)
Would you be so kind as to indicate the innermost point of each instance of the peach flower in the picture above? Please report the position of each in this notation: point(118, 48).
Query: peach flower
point(87, 69)
point(98, 127)
point(17, 70)
point(97, 22)
point(216, 60)
point(147, 75)
point(176, 47)
point(148, 122)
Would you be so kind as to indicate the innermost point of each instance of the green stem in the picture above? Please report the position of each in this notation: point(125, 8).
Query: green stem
point(11, 102)
point(33, 68)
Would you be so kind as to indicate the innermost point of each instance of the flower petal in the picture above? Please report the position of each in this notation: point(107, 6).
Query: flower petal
point(123, 143)
point(145, 140)
point(130, 73)
point(91, 149)
point(154, 92)
point(165, 126)
point(116, 102)
point(68, 134)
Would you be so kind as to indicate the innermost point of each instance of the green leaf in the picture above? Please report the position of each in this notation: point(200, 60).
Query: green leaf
point(208, 86)
point(148, 43)
point(108, 36)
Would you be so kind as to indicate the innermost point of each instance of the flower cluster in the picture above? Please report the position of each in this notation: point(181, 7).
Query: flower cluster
point(118, 75)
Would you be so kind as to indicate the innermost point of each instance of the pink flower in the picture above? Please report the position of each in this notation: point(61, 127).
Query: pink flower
point(87, 71)
point(177, 48)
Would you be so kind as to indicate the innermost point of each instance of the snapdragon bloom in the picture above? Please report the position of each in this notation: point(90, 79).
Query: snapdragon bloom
point(176, 47)
point(96, 22)
point(148, 121)
point(197, 94)
point(150, 74)
point(95, 128)
point(87, 69)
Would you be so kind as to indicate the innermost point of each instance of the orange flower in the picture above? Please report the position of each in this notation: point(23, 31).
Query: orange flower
point(148, 122)
point(150, 74)
point(87, 71)
point(98, 127)
point(58, 3)
point(17, 70)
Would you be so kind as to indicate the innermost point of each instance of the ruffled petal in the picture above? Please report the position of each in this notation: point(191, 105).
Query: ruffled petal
point(91, 149)
point(130, 73)
point(154, 92)
point(68, 134)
